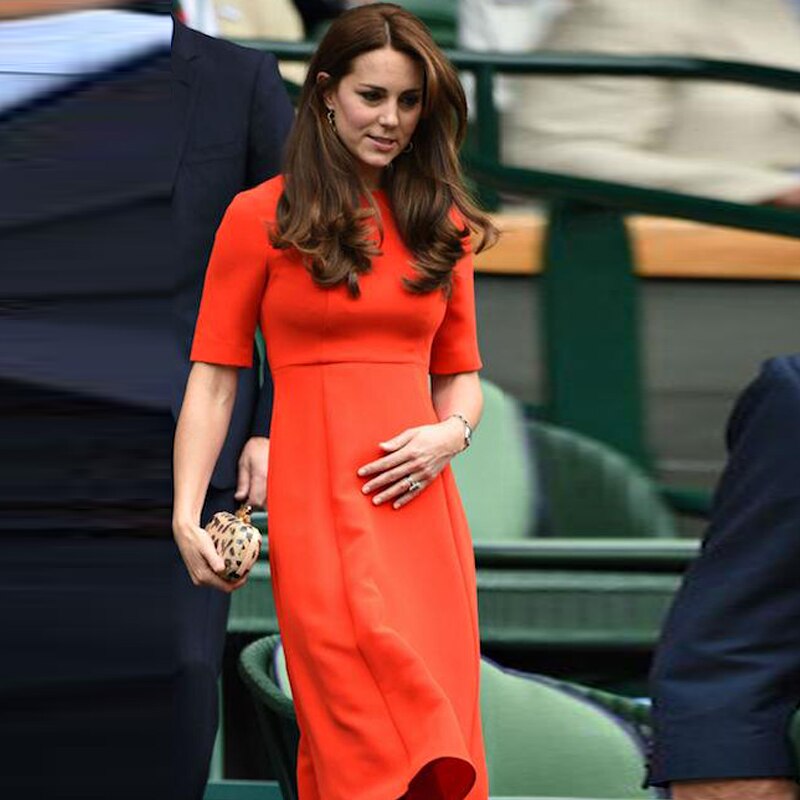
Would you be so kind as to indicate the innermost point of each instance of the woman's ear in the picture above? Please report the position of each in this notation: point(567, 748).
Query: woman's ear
point(322, 79)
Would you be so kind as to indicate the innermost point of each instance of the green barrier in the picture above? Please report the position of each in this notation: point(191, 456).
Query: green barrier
point(555, 593)
point(589, 296)
point(486, 66)
point(242, 790)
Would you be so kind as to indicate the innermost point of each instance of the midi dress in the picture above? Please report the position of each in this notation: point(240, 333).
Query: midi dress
point(376, 606)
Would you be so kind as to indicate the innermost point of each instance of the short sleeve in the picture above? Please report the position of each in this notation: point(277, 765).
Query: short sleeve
point(455, 345)
point(233, 288)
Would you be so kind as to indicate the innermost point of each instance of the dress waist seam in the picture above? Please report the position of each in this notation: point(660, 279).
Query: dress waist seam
point(366, 362)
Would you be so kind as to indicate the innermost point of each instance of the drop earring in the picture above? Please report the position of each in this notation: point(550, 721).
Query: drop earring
point(409, 147)
point(331, 115)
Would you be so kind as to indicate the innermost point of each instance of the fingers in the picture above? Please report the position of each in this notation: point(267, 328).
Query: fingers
point(397, 454)
point(205, 577)
point(215, 566)
point(398, 441)
point(382, 464)
point(251, 479)
point(258, 497)
point(215, 582)
point(203, 563)
point(390, 477)
point(242, 480)
point(206, 548)
point(403, 491)
point(411, 489)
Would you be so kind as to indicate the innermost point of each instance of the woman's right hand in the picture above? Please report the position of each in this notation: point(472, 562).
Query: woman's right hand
point(201, 558)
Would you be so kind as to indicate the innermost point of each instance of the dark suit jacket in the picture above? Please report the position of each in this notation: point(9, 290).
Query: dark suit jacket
point(112, 191)
point(726, 676)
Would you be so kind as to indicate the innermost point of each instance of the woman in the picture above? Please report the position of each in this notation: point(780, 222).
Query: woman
point(357, 265)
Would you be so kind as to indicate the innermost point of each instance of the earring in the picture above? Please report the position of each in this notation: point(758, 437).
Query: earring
point(409, 147)
point(331, 115)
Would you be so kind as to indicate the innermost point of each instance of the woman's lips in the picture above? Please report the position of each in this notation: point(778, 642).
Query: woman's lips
point(381, 143)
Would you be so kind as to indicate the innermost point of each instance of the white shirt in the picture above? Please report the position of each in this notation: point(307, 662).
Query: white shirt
point(504, 26)
point(202, 15)
point(42, 54)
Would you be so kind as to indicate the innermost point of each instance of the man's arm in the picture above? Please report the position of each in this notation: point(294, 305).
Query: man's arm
point(726, 676)
point(736, 789)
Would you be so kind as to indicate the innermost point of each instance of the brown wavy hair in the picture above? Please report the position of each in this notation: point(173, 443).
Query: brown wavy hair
point(322, 210)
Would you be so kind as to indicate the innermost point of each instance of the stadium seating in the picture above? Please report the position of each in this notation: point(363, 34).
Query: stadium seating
point(520, 480)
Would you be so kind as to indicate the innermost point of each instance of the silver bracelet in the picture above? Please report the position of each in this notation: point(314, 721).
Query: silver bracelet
point(467, 428)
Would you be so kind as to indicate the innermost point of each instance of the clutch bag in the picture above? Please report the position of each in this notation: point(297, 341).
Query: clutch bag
point(236, 540)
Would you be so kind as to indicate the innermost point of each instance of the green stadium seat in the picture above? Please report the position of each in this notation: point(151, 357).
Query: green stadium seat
point(263, 670)
point(526, 478)
point(592, 490)
point(497, 476)
point(543, 737)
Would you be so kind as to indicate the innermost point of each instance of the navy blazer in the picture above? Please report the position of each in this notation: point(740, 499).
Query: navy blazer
point(726, 676)
point(112, 192)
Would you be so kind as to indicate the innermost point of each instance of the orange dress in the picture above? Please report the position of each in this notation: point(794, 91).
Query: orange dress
point(377, 607)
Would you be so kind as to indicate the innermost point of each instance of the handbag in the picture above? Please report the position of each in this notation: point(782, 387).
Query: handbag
point(236, 540)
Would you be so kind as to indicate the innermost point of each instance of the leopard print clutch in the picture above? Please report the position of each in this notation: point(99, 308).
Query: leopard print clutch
point(236, 540)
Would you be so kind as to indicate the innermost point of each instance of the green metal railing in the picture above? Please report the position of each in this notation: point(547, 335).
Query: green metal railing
point(486, 66)
point(592, 351)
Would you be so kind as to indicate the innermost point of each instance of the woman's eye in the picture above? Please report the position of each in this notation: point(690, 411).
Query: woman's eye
point(410, 101)
point(370, 97)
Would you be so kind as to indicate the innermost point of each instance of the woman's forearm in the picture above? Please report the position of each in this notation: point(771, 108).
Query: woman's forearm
point(458, 394)
point(199, 436)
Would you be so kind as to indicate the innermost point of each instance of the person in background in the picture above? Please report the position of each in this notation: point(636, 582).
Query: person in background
point(250, 19)
point(726, 676)
point(317, 12)
point(721, 140)
point(504, 26)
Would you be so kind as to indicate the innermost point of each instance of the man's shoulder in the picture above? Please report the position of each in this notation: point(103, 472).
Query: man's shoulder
point(783, 371)
point(774, 395)
point(190, 42)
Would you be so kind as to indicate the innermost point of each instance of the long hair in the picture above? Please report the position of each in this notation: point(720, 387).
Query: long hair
point(325, 207)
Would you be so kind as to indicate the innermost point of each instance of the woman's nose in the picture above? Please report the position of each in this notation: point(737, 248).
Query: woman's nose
point(388, 116)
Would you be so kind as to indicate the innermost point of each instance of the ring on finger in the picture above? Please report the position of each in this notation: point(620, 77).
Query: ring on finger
point(412, 485)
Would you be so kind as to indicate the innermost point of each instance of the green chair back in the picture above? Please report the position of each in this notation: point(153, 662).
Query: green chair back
point(497, 476)
point(542, 740)
point(263, 670)
point(528, 478)
point(589, 489)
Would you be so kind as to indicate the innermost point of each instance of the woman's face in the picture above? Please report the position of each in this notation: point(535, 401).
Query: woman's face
point(377, 107)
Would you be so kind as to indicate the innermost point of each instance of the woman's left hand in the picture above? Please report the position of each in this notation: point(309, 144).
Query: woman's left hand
point(416, 457)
